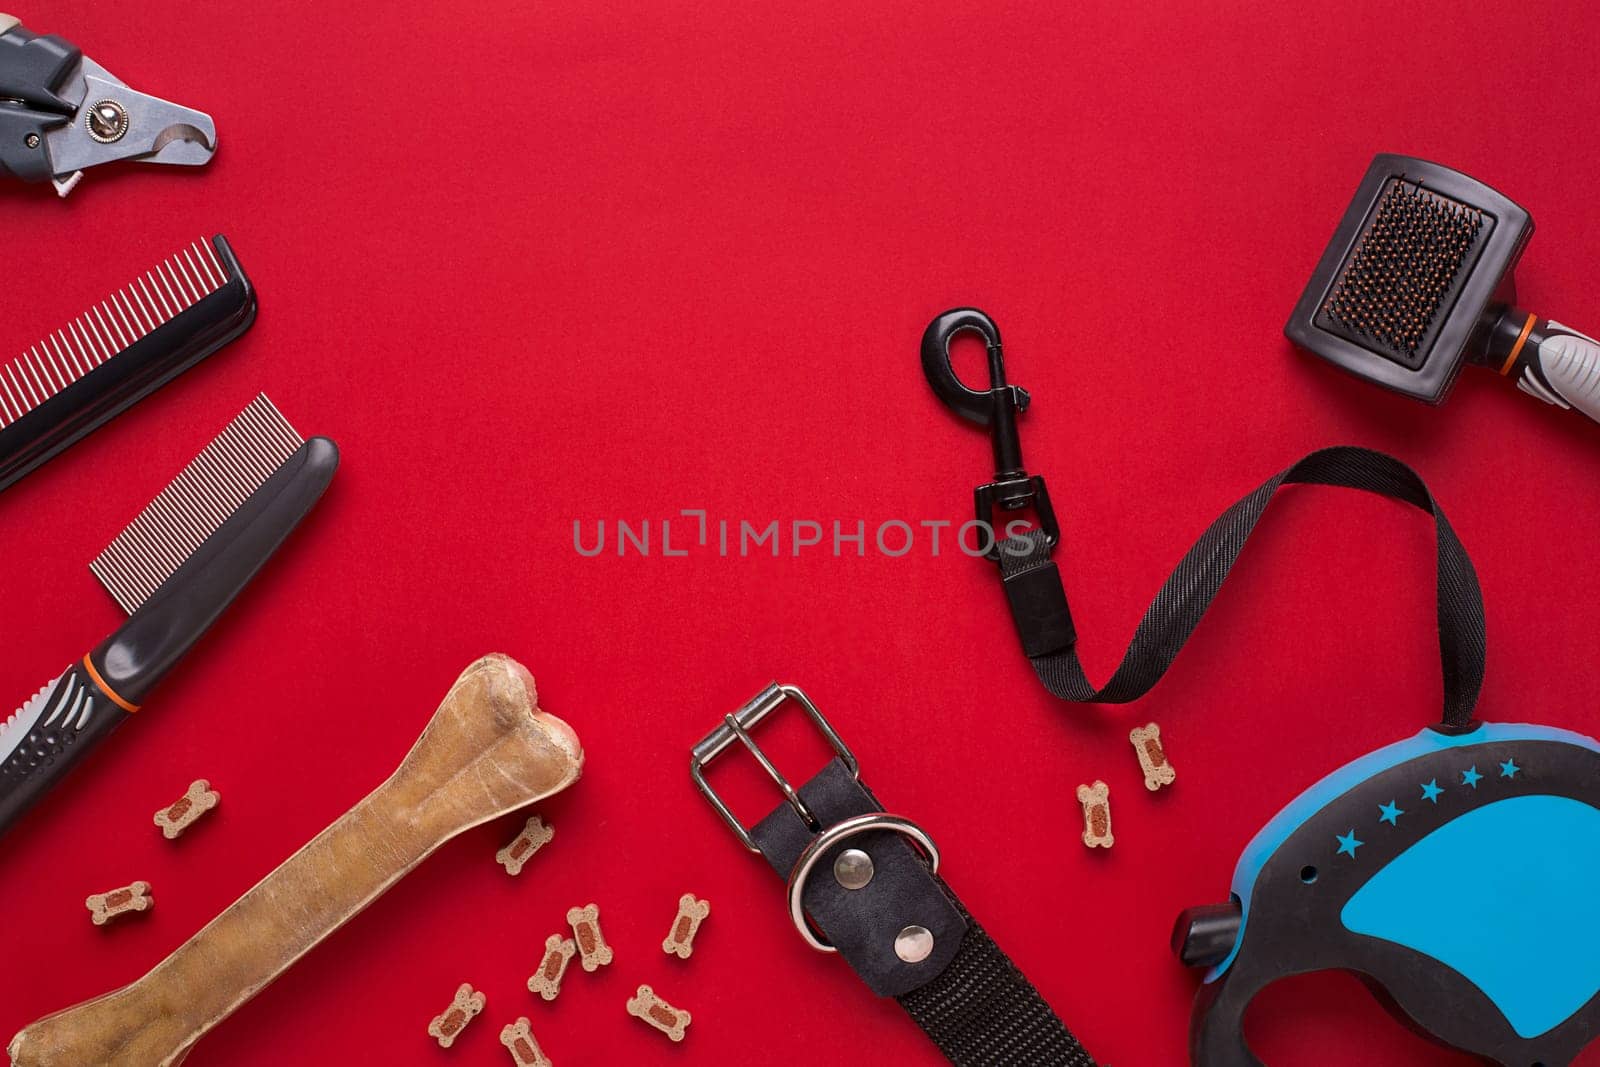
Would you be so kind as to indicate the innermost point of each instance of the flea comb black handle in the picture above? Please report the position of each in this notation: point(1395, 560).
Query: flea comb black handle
point(1552, 362)
point(127, 376)
point(73, 717)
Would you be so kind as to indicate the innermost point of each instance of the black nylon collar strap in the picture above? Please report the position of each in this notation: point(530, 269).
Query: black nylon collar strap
point(1039, 603)
point(966, 995)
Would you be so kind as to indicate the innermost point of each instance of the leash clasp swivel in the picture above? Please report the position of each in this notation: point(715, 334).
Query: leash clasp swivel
point(997, 408)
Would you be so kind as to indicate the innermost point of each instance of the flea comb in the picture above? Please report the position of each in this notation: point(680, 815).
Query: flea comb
point(120, 351)
point(1454, 874)
point(1418, 280)
point(174, 569)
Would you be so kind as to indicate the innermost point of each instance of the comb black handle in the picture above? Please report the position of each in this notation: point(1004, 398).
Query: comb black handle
point(1549, 361)
point(78, 715)
point(132, 374)
point(152, 641)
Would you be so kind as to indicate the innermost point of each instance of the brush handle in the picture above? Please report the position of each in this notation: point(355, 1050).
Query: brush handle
point(1549, 361)
point(487, 751)
point(74, 717)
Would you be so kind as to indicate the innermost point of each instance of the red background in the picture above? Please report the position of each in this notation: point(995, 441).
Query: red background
point(535, 263)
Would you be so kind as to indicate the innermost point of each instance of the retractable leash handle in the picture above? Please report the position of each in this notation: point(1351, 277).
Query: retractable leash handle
point(1453, 870)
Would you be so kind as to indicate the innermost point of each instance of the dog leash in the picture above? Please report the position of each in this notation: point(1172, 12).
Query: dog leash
point(1032, 580)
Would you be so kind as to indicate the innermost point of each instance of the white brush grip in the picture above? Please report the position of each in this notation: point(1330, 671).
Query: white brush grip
point(1570, 364)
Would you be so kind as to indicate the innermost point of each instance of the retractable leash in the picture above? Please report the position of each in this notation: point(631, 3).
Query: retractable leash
point(864, 883)
point(1454, 870)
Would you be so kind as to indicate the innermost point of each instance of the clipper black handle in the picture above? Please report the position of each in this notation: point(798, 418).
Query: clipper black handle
point(75, 716)
point(32, 69)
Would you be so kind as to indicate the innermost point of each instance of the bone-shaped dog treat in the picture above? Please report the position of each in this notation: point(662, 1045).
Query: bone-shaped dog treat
point(558, 952)
point(103, 907)
point(691, 913)
point(534, 836)
point(1152, 757)
point(487, 751)
point(592, 945)
point(525, 1051)
point(1096, 801)
point(658, 1013)
point(454, 1019)
point(200, 799)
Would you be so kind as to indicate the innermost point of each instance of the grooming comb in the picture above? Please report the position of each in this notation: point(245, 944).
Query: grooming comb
point(175, 568)
point(1418, 280)
point(120, 351)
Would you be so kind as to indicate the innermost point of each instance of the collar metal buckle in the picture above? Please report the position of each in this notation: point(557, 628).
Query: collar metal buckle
point(737, 727)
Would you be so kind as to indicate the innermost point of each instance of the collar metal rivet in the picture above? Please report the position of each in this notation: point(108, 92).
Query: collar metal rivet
point(913, 944)
point(853, 869)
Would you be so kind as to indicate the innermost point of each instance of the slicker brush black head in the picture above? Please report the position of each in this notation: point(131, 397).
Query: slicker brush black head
point(1401, 292)
point(1406, 264)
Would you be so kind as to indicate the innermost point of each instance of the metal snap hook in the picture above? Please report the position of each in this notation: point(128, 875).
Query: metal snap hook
point(975, 404)
point(997, 408)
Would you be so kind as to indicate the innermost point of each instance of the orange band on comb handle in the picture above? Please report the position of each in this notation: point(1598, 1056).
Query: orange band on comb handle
point(116, 698)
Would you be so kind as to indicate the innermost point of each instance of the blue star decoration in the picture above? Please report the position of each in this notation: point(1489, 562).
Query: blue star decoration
point(1509, 769)
point(1391, 813)
point(1471, 777)
point(1431, 791)
point(1348, 843)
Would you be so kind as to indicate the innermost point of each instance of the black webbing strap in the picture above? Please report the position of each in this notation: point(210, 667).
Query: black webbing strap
point(1039, 605)
point(983, 1012)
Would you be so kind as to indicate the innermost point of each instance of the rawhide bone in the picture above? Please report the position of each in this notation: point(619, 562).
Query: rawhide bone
point(518, 1040)
point(184, 811)
point(691, 913)
point(1096, 801)
point(1152, 757)
point(534, 836)
point(487, 751)
point(448, 1024)
point(645, 1005)
point(558, 952)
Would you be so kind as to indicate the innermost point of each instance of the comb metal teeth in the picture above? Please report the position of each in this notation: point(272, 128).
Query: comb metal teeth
point(133, 312)
point(198, 501)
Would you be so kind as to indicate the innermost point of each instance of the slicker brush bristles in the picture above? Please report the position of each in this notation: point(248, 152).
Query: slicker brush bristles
point(1405, 264)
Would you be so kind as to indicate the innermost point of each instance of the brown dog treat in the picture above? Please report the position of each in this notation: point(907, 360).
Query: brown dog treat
point(558, 952)
point(534, 836)
point(488, 751)
point(1152, 757)
point(188, 808)
point(454, 1019)
point(103, 907)
point(525, 1051)
point(592, 947)
point(691, 913)
point(1096, 801)
point(658, 1013)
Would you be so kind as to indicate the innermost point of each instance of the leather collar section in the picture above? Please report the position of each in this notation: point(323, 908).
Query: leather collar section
point(864, 923)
